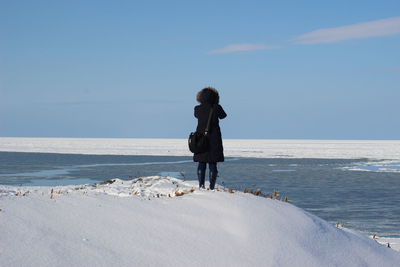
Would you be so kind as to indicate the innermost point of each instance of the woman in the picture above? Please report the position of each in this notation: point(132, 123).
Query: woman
point(209, 98)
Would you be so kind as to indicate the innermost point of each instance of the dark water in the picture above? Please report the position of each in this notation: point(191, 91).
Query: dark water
point(366, 201)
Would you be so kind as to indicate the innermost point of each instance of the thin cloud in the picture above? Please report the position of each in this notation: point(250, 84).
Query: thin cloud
point(234, 48)
point(376, 28)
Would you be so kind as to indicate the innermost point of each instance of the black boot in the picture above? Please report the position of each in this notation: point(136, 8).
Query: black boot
point(201, 175)
point(213, 174)
point(213, 179)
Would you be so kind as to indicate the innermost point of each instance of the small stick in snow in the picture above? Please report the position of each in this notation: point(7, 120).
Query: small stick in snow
point(339, 225)
point(287, 200)
point(178, 194)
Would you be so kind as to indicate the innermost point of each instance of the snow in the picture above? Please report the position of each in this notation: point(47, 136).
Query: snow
point(165, 221)
point(393, 243)
point(372, 149)
point(390, 242)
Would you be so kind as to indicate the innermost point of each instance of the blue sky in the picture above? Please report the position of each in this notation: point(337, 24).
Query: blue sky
point(284, 69)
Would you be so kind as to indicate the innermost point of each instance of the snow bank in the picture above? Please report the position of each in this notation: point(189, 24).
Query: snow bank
point(373, 149)
point(164, 221)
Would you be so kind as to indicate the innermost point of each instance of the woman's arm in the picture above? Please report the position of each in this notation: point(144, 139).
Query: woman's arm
point(221, 113)
point(195, 111)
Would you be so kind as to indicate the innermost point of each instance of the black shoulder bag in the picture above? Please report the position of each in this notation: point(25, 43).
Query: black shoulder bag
point(198, 142)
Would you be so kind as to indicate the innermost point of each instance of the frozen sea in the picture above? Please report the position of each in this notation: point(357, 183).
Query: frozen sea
point(356, 183)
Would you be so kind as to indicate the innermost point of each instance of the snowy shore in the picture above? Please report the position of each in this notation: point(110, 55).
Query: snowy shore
point(343, 149)
point(164, 221)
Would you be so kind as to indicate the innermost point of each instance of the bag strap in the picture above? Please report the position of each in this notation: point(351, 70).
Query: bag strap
point(209, 120)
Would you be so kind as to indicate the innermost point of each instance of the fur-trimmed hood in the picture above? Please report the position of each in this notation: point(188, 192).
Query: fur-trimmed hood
point(208, 95)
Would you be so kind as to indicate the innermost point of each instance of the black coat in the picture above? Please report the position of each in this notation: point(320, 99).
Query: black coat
point(216, 150)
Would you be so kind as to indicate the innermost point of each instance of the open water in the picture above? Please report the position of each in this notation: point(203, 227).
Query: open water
point(360, 193)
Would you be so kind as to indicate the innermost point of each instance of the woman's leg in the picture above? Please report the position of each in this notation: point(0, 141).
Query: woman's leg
point(201, 173)
point(213, 174)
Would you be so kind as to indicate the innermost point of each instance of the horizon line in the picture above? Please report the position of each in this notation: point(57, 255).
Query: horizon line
point(176, 138)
